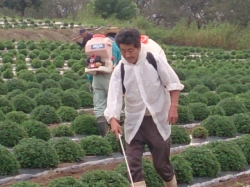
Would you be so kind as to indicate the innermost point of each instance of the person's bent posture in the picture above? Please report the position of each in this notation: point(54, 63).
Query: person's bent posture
point(151, 102)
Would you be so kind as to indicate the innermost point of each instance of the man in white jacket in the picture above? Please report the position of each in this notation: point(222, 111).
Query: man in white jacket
point(151, 102)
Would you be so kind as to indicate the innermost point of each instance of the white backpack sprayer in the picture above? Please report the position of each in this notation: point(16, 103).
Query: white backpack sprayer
point(99, 53)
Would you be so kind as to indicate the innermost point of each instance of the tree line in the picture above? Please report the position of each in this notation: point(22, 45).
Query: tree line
point(162, 12)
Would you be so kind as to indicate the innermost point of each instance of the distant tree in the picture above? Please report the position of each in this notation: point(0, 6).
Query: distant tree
point(122, 9)
point(20, 5)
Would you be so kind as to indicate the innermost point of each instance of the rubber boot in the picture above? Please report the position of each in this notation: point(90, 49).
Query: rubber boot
point(102, 126)
point(172, 183)
point(139, 184)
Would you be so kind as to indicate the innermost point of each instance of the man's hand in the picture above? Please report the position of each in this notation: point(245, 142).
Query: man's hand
point(115, 127)
point(173, 114)
point(75, 39)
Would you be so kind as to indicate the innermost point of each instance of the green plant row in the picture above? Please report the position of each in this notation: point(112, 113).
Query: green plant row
point(200, 161)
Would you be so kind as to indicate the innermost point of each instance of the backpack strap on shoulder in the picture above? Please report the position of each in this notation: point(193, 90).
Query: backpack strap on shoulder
point(151, 59)
point(122, 77)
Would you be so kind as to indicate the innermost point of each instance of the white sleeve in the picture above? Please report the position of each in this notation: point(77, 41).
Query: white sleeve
point(167, 75)
point(114, 100)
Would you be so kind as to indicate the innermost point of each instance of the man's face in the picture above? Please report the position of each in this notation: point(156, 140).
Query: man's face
point(130, 53)
point(84, 34)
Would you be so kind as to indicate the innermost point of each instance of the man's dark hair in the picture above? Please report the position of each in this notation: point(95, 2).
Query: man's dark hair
point(128, 37)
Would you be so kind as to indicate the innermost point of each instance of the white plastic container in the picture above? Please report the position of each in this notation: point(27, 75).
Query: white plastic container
point(152, 46)
point(102, 46)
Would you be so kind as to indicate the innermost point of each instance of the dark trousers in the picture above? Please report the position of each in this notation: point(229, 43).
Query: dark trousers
point(160, 150)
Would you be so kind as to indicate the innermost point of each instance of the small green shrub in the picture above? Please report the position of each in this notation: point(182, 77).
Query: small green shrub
point(2, 46)
point(221, 126)
point(212, 98)
point(184, 114)
point(66, 181)
point(37, 129)
point(86, 98)
point(2, 116)
point(195, 97)
point(241, 122)
point(232, 106)
point(50, 83)
point(183, 170)
point(67, 83)
point(66, 54)
point(240, 88)
point(32, 92)
point(6, 66)
point(70, 99)
point(7, 59)
point(16, 116)
point(67, 149)
point(67, 114)
point(41, 70)
point(8, 74)
point(3, 88)
point(187, 87)
point(24, 52)
point(46, 63)
point(202, 166)
point(5, 105)
point(23, 103)
point(200, 89)
point(8, 163)
point(58, 61)
point(224, 95)
point(208, 82)
point(46, 98)
point(55, 91)
point(40, 77)
point(26, 75)
point(25, 184)
point(11, 133)
point(12, 94)
point(150, 174)
point(9, 45)
point(85, 124)
point(21, 66)
point(21, 45)
point(20, 56)
point(96, 145)
point(56, 77)
point(244, 143)
point(62, 130)
point(36, 63)
point(101, 178)
point(199, 110)
point(113, 141)
point(43, 55)
point(225, 88)
point(34, 85)
point(71, 75)
point(32, 55)
point(245, 102)
point(179, 135)
point(230, 156)
point(216, 110)
point(183, 100)
point(194, 82)
point(200, 132)
point(46, 114)
point(43, 155)
point(16, 84)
